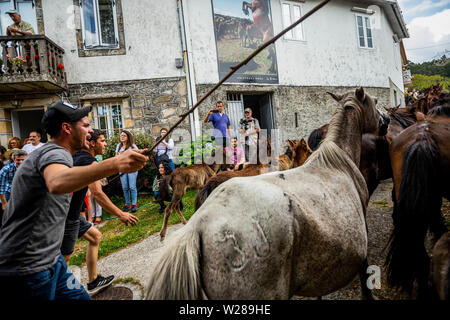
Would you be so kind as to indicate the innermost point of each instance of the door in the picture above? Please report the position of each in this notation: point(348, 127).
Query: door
point(25, 121)
point(235, 111)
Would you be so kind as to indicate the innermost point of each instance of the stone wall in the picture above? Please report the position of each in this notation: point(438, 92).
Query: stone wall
point(313, 106)
point(148, 105)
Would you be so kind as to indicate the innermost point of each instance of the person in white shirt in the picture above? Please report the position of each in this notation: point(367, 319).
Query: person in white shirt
point(35, 142)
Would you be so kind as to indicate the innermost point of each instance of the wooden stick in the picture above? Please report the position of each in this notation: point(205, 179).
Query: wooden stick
point(235, 68)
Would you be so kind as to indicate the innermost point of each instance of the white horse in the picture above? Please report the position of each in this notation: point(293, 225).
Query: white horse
point(300, 231)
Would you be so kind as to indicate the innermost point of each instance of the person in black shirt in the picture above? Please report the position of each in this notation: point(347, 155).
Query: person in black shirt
point(77, 226)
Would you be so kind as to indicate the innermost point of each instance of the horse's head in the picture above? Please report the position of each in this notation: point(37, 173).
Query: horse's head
point(302, 152)
point(372, 120)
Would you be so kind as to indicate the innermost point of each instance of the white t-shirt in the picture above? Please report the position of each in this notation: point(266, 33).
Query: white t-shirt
point(30, 148)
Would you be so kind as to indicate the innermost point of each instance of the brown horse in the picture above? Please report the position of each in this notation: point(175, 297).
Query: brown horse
point(192, 177)
point(296, 154)
point(261, 21)
point(420, 158)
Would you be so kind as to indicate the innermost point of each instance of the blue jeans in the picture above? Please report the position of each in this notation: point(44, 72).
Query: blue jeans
point(57, 282)
point(171, 164)
point(129, 186)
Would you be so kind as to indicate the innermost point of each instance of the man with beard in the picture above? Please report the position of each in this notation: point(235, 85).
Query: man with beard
point(77, 226)
point(31, 264)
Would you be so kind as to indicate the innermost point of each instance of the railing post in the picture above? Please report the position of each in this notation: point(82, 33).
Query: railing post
point(43, 58)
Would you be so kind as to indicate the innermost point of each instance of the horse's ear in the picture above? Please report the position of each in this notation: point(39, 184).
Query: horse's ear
point(291, 143)
point(334, 96)
point(360, 95)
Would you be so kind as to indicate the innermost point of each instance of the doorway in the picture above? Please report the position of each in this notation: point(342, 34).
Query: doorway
point(261, 105)
point(25, 121)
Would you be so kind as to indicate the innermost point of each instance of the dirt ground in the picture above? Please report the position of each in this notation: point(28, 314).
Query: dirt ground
point(379, 219)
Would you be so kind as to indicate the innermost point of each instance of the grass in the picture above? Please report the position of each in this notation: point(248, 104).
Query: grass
point(382, 203)
point(116, 235)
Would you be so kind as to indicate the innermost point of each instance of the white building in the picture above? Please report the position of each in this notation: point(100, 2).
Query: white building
point(142, 63)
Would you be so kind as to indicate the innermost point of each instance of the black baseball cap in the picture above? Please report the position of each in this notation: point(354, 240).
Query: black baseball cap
point(59, 112)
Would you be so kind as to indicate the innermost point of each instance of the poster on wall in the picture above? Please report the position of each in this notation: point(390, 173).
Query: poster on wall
point(240, 28)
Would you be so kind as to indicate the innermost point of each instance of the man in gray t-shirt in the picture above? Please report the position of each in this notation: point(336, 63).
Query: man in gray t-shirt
point(32, 227)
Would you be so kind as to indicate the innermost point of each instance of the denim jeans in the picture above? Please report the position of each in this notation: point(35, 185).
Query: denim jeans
point(171, 164)
point(129, 186)
point(57, 282)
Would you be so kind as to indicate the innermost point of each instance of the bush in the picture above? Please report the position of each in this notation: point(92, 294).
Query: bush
point(146, 174)
point(203, 145)
point(421, 81)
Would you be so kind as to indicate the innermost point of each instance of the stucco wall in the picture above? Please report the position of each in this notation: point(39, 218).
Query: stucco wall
point(152, 41)
point(330, 56)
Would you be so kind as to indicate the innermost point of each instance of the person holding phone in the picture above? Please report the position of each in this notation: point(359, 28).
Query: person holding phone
point(221, 124)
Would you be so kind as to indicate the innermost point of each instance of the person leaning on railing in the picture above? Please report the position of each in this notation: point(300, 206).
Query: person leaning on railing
point(19, 27)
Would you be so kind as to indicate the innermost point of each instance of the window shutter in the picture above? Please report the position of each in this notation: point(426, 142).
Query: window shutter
point(89, 20)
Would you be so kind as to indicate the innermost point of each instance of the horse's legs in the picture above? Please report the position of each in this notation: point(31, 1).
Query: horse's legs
point(363, 276)
point(167, 214)
point(175, 203)
point(178, 211)
point(423, 288)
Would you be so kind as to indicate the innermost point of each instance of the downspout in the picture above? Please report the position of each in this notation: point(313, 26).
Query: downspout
point(189, 70)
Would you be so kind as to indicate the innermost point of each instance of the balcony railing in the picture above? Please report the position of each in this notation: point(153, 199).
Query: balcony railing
point(31, 64)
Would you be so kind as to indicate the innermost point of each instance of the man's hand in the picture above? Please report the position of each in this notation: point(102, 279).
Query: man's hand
point(3, 206)
point(131, 160)
point(128, 218)
point(236, 167)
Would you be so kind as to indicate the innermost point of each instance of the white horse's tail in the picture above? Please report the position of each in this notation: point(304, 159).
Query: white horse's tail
point(177, 274)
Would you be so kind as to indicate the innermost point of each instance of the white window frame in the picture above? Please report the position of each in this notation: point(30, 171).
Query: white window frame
point(292, 20)
point(365, 18)
point(109, 122)
point(99, 44)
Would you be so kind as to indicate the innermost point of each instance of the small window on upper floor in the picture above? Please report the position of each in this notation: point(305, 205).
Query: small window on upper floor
point(364, 29)
point(99, 24)
point(291, 12)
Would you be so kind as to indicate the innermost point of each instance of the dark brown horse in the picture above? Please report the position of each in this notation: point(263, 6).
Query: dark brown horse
point(296, 154)
point(420, 158)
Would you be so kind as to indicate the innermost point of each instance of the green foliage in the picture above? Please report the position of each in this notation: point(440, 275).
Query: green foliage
point(430, 68)
point(421, 81)
point(203, 146)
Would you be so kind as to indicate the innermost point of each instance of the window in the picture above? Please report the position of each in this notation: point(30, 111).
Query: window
point(99, 24)
point(292, 12)
point(365, 39)
point(108, 117)
point(26, 9)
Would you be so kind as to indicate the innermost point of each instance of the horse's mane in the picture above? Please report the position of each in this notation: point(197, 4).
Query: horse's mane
point(404, 119)
point(331, 156)
point(439, 111)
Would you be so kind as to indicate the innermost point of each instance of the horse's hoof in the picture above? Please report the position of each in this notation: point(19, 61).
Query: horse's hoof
point(161, 238)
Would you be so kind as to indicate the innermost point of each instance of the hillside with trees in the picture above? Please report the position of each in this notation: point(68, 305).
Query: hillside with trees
point(428, 73)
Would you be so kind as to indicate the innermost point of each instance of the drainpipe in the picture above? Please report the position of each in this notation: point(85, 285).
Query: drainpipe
point(189, 69)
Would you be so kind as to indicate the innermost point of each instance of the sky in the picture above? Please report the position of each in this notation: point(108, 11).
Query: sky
point(428, 23)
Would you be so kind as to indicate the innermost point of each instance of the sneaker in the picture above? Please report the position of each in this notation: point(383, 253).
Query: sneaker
point(134, 208)
point(161, 210)
point(126, 208)
point(99, 283)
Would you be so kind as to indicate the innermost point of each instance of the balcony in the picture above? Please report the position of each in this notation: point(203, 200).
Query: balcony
point(30, 65)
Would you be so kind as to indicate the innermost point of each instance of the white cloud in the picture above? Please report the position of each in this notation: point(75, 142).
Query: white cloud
point(429, 32)
point(425, 6)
